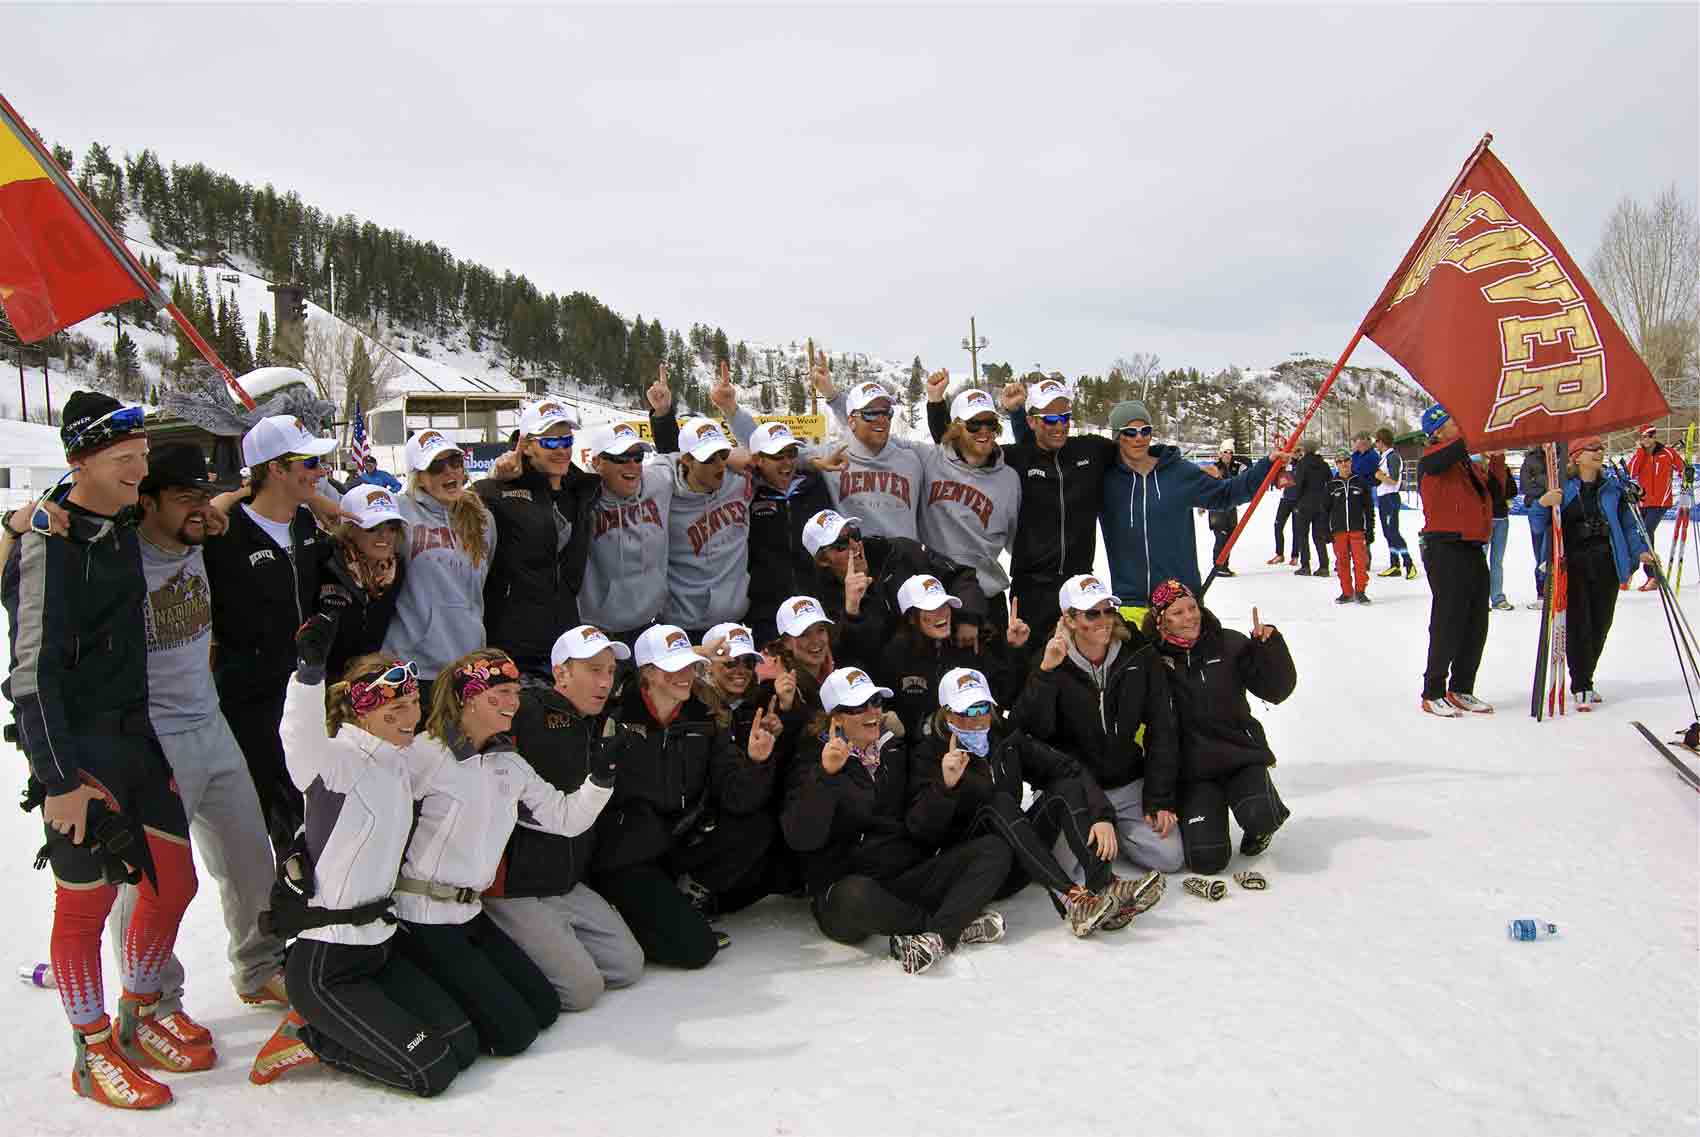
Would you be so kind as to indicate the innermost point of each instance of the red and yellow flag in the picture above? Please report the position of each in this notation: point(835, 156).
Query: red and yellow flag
point(1495, 320)
point(59, 260)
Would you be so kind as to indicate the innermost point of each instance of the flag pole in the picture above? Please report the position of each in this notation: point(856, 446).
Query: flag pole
point(1292, 441)
point(116, 247)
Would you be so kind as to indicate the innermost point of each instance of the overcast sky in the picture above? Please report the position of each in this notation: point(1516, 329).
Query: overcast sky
point(1215, 184)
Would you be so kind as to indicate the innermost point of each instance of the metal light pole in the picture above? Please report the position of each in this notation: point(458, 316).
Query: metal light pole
point(973, 345)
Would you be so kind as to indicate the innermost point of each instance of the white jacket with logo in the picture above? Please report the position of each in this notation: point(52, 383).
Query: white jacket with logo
point(358, 792)
point(469, 803)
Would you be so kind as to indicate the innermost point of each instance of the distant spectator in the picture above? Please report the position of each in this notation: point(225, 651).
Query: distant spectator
point(1533, 476)
point(1653, 465)
point(372, 476)
point(1224, 521)
point(1365, 461)
point(1351, 520)
point(1502, 487)
point(1286, 513)
point(1388, 474)
point(1312, 475)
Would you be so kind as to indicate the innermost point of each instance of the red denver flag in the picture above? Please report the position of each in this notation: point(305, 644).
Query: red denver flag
point(59, 261)
point(1491, 316)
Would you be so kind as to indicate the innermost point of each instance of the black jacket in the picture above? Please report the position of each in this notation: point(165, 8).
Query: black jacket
point(912, 666)
point(1224, 520)
point(942, 816)
point(79, 647)
point(779, 565)
point(1534, 476)
point(1311, 476)
point(1210, 682)
point(852, 821)
point(674, 785)
point(531, 592)
point(361, 626)
point(261, 595)
point(1056, 532)
point(891, 561)
point(1068, 709)
point(564, 747)
point(1351, 505)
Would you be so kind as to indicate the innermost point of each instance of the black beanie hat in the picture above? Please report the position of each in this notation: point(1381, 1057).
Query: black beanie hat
point(80, 427)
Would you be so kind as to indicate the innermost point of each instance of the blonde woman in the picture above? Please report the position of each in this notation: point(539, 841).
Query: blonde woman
point(359, 1004)
point(450, 544)
point(471, 787)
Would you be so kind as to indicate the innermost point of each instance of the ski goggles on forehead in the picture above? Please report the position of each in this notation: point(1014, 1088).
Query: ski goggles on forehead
point(1136, 431)
point(554, 441)
point(394, 682)
point(112, 424)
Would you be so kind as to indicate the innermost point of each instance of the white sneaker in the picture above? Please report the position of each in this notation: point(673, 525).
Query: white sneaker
point(1441, 709)
point(1469, 703)
point(1586, 700)
point(918, 952)
point(986, 928)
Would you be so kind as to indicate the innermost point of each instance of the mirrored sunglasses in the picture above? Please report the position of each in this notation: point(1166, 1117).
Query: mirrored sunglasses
point(1056, 419)
point(308, 461)
point(1136, 431)
point(554, 441)
point(872, 415)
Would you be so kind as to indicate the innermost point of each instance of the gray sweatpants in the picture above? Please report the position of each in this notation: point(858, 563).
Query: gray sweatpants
point(1136, 841)
point(578, 940)
point(228, 831)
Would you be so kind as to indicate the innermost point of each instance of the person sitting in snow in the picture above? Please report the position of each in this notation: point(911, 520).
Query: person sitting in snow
point(1225, 757)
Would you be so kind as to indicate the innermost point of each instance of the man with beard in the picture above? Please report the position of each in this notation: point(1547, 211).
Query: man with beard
point(218, 795)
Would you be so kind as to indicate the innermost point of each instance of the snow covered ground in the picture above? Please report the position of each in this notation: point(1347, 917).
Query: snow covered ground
point(1371, 989)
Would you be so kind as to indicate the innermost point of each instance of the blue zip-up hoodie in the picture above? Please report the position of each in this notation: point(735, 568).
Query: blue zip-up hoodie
point(1147, 519)
point(1626, 543)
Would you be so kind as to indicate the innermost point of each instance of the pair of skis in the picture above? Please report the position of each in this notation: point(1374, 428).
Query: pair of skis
point(1546, 696)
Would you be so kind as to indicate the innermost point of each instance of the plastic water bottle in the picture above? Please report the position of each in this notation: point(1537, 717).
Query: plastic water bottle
point(1531, 930)
point(37, 974)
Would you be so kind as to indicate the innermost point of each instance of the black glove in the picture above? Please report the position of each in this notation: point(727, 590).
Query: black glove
point(605, 759)
point(313, 641)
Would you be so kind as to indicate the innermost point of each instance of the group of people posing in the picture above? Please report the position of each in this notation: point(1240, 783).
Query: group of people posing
point(469, 755)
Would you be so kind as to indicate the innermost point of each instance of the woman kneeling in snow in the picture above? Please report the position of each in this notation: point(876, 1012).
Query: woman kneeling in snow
point(972, 785)
point(1225, 758)
point(472, 788)
point(844, 812)
point(359, 1004)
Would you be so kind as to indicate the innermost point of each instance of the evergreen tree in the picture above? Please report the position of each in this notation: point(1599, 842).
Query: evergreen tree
point(126, 367)
point(239, 355)
point(263, 345)
point(915, 391)
point(796, 396)
point(722, 350)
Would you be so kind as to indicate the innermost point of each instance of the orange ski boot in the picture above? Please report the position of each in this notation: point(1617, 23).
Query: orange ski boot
point(105, 1074)
point(284, 1051)
point(149, 1043)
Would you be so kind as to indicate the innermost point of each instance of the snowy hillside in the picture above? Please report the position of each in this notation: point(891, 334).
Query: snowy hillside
point(1371, 989)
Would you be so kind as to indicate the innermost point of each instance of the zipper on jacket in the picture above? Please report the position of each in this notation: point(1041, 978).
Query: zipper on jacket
point(1062, 510)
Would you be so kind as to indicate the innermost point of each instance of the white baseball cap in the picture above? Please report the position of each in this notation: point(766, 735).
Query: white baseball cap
point(771, 437)
point(370, 506)
point(619, 438)
point(702, 438)
point(667, 647)
point(278, 435)
point(739, 640)
point(864, 393)
point(970, 403)
point(1226, 446)
point(426, 446)
point(926, 593)
point(586, 641)
point(823, 529)
point(849, 687)
point(1045, 392)
point(538, 417)
point(797, 614)
point(1084, 593)
point(962, 687)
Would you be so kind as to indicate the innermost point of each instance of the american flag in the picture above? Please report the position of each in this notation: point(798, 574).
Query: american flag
point(357, 444)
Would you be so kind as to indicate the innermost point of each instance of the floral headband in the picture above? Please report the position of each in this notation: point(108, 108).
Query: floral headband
point(477, 677)
point(394, 682)
point(1167, 593)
